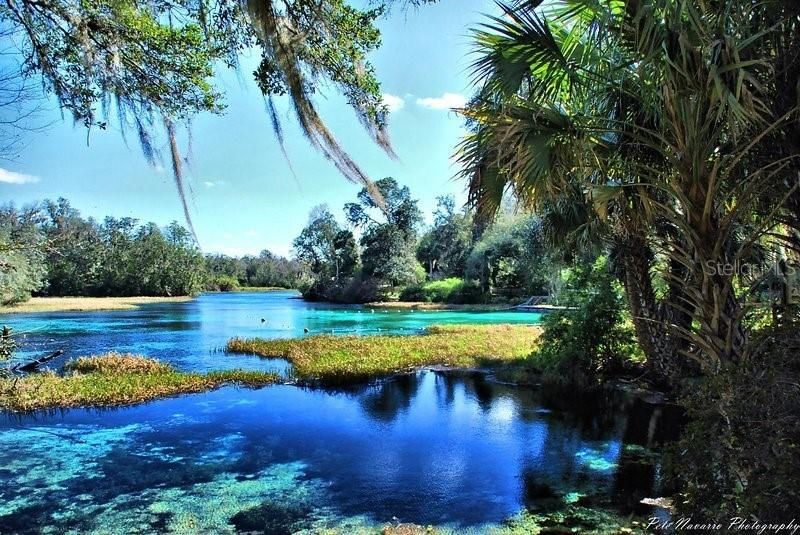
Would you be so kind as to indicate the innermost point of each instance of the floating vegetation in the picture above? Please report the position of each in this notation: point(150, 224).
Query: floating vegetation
point(347, 358)
point(115, 379)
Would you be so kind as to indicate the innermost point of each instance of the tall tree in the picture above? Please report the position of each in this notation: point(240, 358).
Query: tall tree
point(445, 247)
point(22, 253)
point(389, 231)
point(326, 247)
point(659, 111)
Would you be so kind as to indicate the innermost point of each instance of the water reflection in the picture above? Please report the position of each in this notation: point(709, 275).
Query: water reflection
point(451, 449)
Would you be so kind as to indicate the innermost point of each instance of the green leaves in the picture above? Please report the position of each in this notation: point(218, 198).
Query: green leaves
point(150, 66)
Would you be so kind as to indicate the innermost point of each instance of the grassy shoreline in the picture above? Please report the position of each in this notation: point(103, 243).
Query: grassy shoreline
point(420, 305)
point(114, 379)
point(86, 304)
point(337, 359)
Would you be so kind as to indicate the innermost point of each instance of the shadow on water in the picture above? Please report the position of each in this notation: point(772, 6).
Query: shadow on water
point(442, 448)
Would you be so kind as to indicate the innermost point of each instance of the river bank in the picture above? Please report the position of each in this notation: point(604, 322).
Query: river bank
point(419, 305)
point(86, 304)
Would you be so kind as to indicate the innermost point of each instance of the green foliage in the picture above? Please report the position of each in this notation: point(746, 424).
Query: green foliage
point(151, 64)
point(263, 271)
point(329, 250)
point(222, 283)
point(389, 256)
point(645, 113)
point(51, 250)
point(739, 454)
point(445, 247)
point(592, 339)
point(511, 254)
point(22, 266)
point(144, 260)
point(452, 290)
point(390, 232)
point(7, 344)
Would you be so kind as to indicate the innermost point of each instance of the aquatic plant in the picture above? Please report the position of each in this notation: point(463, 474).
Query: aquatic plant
point(573, 519)
point(116, 379)
point(117, 363)
point(346, 358)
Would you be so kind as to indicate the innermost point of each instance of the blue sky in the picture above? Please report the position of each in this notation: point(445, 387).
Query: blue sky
point(244, 198)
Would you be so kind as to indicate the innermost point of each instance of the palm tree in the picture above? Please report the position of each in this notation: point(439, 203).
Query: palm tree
point(657, 110)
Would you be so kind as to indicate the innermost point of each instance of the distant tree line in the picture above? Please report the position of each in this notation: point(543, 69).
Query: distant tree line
point(395, 253)
point(49, 249)
point(226, 273)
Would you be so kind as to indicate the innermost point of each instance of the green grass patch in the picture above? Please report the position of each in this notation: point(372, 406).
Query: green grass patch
point(347, 358)
point(252, 289)
point(450, 290)
point(115, 379)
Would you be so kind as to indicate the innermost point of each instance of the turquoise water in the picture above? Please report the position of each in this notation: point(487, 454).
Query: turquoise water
point(455, 450)
point(190, 334)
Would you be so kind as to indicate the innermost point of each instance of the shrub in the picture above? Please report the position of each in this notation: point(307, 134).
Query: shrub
point(593, 338)
point(450, 290)
point(7, 344)
point(469, 293)
point(740, 455)
point(357, 289)
point(113, 362)
point(223, 283)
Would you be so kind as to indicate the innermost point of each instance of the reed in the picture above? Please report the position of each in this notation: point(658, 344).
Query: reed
point(330, 358)
point(116, 379)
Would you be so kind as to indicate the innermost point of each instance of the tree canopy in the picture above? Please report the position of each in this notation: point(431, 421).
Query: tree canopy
point(150, 66)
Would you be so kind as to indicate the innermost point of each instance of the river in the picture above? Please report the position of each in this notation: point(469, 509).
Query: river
point(456, 450)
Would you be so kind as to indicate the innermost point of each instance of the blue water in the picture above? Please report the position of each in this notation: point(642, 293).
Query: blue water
point(456, 450)
point(452, 450)
point(190, 334)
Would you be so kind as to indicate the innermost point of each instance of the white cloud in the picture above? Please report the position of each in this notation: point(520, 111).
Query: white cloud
point(10, 177)
point(393, 102)
point(213, 183)
point(445, 102)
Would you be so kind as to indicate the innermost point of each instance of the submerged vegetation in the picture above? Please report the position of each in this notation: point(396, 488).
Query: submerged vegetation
point(334, 359)
point(115, 379)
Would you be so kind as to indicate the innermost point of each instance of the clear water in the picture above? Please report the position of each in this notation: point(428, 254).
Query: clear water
point(453, 450)
point(190, 334)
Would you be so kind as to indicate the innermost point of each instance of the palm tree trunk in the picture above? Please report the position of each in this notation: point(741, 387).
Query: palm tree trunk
point(650, 318)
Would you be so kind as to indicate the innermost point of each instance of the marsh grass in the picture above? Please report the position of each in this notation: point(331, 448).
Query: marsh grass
point(85, 304)
point(422, 305)
point(339, 359)
point(115, 379)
